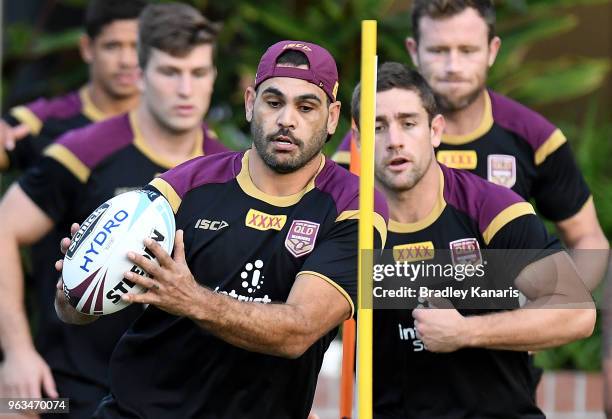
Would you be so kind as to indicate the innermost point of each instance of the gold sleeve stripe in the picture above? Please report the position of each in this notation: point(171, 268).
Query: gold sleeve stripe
point(379, 223)
point(4, 160)
point(69, 161)
point(342, 157)
point(27, 117)
point(348, 215)
point(333, 284)
point(168, 191)
point(556, 140)
point(512, 212)
point(587, 202)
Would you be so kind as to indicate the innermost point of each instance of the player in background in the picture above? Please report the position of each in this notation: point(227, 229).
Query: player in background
point(108, 47)
point(438, 363)
point(79, 171)
point(453, 46)
point(239, 318)
point(497, 138)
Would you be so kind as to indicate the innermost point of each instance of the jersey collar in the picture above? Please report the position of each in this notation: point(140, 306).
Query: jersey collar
point(144, 148)
point(397, 227)
point(247, 185)
point(88, 108)
point(485, 125)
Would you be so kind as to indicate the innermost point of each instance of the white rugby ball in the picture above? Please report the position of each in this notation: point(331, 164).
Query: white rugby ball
point(96, 260)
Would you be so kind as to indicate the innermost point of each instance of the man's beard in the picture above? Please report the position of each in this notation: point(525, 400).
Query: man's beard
point(410, 179)
point(305, 152)
point(447, 104)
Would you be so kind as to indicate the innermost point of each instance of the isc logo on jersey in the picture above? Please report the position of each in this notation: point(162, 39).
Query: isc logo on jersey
point(96, 261)
point(214, 225)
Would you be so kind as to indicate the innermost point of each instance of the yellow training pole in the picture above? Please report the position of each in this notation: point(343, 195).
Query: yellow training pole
point(366, 218)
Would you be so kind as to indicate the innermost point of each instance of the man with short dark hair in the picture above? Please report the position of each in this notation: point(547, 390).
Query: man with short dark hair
point(436, 361)
point(453, 46)
point(239, 318)
point(108, 46)
point(79, 171)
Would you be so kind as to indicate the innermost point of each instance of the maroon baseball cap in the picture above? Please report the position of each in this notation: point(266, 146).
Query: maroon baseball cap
point(321, 71)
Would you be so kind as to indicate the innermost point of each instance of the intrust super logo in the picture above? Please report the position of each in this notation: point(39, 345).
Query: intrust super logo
point(413, 252)
point(262, 221)
point(409, 334)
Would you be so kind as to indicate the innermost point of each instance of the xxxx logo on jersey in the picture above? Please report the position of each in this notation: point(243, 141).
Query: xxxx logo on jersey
point(458, 159)
point(413, 252)
point(262, 221)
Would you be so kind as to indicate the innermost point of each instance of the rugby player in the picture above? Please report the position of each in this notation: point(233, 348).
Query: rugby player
point(440, 363)
point(108, 46)
point(239, 318)
point(84, 168)
point(453, 46)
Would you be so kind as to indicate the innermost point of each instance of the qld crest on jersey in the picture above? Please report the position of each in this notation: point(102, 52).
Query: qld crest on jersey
point(501, 169)
point(301, 237)
point(465, 252)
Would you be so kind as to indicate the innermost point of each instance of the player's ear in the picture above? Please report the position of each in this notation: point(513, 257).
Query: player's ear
point(355, 134)
point(411, 47)
point(85, 48)
point(436, 129)
point(333, 117)
point(494, 47)
point(249, 102)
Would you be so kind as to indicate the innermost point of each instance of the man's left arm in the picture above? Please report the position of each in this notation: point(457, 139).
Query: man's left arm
point(563, 196)
point(587, 244)
point(560, 309)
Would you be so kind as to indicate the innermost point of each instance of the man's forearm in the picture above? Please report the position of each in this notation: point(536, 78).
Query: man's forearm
point(590, 254)
point(273, 329)
point(529, 329)
point(14, 327)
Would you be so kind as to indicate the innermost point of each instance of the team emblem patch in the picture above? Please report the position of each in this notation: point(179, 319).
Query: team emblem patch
point(501, 169)
point(465, 252)
point(301, 237)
